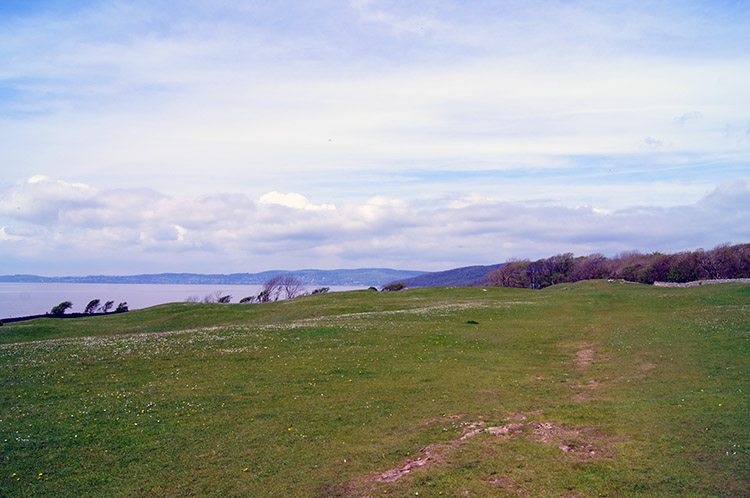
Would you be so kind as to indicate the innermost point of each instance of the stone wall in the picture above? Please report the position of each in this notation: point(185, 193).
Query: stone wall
point(702, 282)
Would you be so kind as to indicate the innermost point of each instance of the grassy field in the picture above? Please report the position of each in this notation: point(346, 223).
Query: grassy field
point(586, 389)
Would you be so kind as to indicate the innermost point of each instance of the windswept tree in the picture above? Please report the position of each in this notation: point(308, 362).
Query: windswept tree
point(122, 308)
point(292, 286)
point(394, 286)
point(213, 297)
point(248, 299)
point(264, 296)
point(61, 308)
point(224, 299)
point(271, 290)
point(107, 306)
point(92, 306)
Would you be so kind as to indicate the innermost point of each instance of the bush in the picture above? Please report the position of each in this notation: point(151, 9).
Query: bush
point(92, 306)
point(61, 308)
point(395, 286)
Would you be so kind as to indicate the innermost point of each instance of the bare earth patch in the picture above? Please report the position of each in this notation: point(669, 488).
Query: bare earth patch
point(586, 355)
point(583, 442)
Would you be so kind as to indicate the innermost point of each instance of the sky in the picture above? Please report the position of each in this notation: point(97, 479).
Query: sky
point(243, 136)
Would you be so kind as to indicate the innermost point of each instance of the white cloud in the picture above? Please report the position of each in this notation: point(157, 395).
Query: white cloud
point(230, 232)
point(293, 200)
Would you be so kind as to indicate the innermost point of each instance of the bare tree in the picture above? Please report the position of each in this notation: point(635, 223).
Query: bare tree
point(271, 290)
point(214, 297)
point(292, 286)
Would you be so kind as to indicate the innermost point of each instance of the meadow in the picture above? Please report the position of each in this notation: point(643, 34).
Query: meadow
point(585, 389)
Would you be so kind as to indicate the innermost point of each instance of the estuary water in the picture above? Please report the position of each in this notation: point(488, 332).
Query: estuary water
point(23, 299)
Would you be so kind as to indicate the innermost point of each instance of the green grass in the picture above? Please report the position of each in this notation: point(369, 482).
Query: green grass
point(646, 389)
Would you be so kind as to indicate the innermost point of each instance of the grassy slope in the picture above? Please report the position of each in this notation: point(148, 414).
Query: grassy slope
point(641, 386)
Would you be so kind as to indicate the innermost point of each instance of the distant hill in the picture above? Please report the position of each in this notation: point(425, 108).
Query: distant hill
point(362, 276)
point(457, 277)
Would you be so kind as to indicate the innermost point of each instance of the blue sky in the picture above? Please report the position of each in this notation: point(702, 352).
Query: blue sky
point(244, 136)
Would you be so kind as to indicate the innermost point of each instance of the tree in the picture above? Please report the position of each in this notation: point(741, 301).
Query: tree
point(213, 297)
point(224, 299)
point(248, 299)
point(92, 306)
point(61, 308)
point(107, 306)
point(291, 286)
point(394, 286)
point(271, 290)
point(321, 290)
point(589, 267)
point(514, 273)
point(264, 296)
point(122, 308)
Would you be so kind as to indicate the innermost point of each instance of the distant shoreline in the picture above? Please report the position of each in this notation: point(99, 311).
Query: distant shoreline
point(361, 276)
point(50, 315)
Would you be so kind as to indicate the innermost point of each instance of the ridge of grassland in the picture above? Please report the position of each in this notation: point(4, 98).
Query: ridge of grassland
point(575, 390)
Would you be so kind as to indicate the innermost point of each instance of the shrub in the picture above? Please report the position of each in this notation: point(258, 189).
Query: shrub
point(395, 286)
point(61, 308)
point(92, 306)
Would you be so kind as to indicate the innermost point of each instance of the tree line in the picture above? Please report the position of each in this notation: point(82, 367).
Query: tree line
point(723, 262)
point(274, 289)
point(94, 306)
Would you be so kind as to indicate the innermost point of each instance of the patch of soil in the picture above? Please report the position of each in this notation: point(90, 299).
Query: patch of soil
point(584, 442)
point(501, 481)
point(433, 453)
point(398, 473)
point(584, 358)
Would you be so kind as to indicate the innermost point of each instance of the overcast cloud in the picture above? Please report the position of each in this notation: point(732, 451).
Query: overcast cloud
point(106, 230)
point(242, 136)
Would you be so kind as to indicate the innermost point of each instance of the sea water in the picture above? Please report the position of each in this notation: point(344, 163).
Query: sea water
point(23, 299)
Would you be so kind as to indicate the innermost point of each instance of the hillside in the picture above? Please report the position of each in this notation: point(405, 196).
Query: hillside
point(583, 389)
point(457, 277)
point(362, 276)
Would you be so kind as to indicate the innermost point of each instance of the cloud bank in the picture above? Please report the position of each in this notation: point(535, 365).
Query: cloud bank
point(73, 228)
